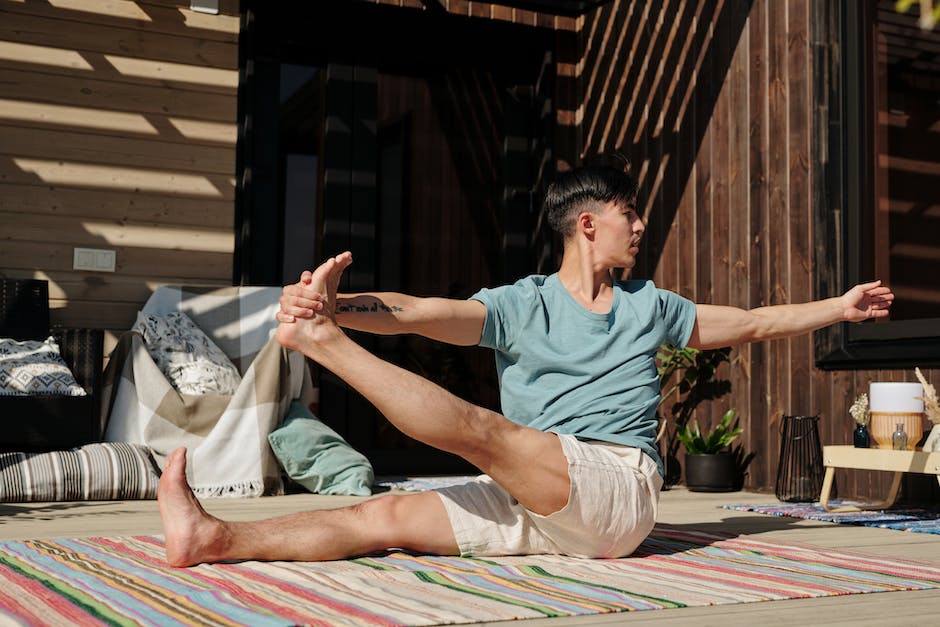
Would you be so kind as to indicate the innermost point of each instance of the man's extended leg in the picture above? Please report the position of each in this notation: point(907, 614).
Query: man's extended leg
point(528, 463)
point(417, 522)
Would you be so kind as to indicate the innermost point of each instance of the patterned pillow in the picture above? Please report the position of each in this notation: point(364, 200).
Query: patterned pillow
point(94, 472)
point(34, 367)
point(189, 359)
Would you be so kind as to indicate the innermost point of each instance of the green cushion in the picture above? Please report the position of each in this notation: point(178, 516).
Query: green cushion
point(318, 458)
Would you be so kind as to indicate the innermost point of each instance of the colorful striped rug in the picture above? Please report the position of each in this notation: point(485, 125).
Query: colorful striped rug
point(123, 581)
point(902, 519)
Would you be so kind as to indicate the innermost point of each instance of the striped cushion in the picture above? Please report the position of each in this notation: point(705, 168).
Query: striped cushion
point(94, 472)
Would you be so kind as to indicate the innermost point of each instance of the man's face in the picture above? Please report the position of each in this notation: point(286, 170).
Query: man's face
point(619, 229)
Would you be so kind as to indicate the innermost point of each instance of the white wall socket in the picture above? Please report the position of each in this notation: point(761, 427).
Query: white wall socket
point(204, 6)
point(94, 259)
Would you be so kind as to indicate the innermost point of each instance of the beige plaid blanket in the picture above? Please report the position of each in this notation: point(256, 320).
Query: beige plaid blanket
point(228, 453)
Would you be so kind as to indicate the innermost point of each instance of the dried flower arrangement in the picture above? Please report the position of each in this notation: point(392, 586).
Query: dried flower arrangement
point(931, 403)
point(859, 409)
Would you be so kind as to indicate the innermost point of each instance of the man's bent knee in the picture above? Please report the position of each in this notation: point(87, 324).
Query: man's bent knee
point(532, 467)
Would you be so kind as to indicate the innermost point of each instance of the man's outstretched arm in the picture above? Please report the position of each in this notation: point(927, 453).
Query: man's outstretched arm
point(447, 320)
point(717, 326)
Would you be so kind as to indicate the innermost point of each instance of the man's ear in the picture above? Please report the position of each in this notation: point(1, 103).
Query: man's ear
point(586, 223)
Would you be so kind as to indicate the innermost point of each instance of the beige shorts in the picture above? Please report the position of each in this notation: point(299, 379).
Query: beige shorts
point(611, 508)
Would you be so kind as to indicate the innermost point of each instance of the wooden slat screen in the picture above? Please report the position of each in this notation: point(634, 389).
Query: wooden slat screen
point(712, 101)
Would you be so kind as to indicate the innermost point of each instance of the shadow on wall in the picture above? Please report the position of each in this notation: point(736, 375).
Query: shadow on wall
point(649, 88)
point(117, 132)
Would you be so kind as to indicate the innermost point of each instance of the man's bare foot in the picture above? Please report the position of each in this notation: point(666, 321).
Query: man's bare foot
point(307, 334)
point(192, 535)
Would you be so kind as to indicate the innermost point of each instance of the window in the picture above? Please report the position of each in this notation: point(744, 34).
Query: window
point(888, 144)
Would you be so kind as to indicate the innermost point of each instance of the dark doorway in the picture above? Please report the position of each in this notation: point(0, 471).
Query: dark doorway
point(418, 140)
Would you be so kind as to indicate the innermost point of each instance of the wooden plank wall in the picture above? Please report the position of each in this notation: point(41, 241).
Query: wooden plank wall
point(712, 101)
point(117, 131)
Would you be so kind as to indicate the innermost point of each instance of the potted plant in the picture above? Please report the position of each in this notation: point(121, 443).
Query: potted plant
point(687, 378)
point(709, 465)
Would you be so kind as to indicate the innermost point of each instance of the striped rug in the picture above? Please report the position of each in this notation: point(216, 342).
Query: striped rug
point(902, 519)
point(124, 581)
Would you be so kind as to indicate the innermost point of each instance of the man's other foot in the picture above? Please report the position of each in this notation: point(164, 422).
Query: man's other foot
point(192, 535)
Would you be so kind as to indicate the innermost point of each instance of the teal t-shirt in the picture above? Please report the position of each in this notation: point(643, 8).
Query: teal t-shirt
point(565, 369)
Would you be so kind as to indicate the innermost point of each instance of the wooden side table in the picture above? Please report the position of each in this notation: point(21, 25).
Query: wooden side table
point(898, 462)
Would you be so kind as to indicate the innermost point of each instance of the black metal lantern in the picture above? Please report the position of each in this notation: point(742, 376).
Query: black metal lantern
point(800, 471)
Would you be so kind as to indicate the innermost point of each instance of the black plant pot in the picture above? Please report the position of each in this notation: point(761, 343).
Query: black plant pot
point(711, 473)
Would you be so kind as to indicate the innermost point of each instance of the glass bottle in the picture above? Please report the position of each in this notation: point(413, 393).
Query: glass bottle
point(860, 436)
point(899, 438)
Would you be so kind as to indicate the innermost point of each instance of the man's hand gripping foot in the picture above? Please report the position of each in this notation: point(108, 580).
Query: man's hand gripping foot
point(310, 335)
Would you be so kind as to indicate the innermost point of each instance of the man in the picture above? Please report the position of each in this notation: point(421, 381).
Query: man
point(572, 467)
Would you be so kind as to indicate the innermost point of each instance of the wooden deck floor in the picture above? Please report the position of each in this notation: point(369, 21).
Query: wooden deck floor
point(677, 507)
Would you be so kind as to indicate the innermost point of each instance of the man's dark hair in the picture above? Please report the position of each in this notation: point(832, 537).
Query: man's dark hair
point(578, 189)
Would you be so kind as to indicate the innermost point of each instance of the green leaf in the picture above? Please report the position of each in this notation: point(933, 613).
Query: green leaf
point(722, 435)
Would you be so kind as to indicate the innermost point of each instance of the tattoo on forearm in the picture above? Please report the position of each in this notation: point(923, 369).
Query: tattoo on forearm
point(375, 307)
